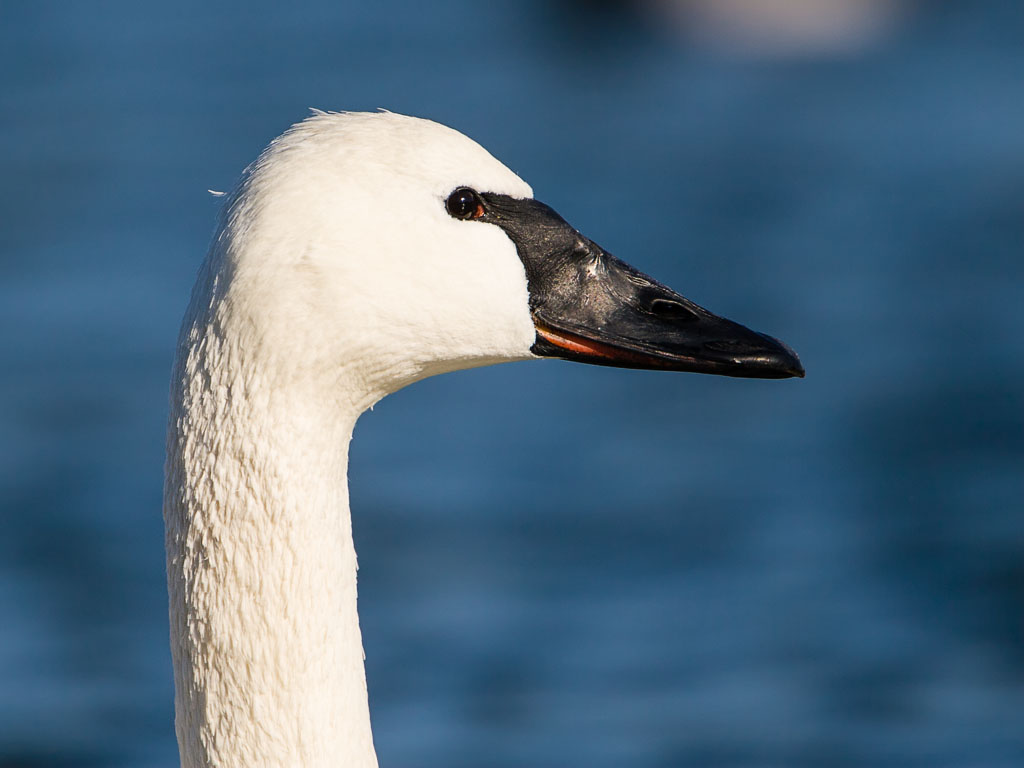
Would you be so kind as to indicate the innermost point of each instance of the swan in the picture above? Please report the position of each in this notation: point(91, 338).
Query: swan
point(359, 253)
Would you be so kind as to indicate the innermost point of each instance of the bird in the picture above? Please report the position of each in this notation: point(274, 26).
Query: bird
point(359, 253)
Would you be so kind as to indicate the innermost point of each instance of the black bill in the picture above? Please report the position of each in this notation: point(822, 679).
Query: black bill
point(590, 307)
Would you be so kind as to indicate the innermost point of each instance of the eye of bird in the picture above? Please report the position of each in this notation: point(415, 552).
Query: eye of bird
point(465, 203)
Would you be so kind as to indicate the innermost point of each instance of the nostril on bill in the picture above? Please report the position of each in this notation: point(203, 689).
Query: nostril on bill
point(670, 310)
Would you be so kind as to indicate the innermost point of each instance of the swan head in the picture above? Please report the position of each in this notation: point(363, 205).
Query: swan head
point(394, 248)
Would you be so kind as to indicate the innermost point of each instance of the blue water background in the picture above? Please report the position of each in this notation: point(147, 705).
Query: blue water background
point(561, 565)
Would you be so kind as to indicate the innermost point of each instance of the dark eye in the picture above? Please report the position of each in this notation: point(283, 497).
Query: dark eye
point(465, 203)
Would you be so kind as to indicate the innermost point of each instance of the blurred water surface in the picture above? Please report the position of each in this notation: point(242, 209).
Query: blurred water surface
point(561, 565)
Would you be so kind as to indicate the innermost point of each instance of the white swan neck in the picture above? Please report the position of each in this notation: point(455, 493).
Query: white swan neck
point(268, 657)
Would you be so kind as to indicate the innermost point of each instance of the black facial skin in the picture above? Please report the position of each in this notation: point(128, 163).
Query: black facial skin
point(590, 307)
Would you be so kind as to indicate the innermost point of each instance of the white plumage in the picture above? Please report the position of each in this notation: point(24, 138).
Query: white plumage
point(336, 277)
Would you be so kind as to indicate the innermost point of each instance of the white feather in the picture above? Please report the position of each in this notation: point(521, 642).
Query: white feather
point(336, 277)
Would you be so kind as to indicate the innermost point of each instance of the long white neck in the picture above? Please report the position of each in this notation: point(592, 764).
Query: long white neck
point(336, 277)
point(268, 658)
